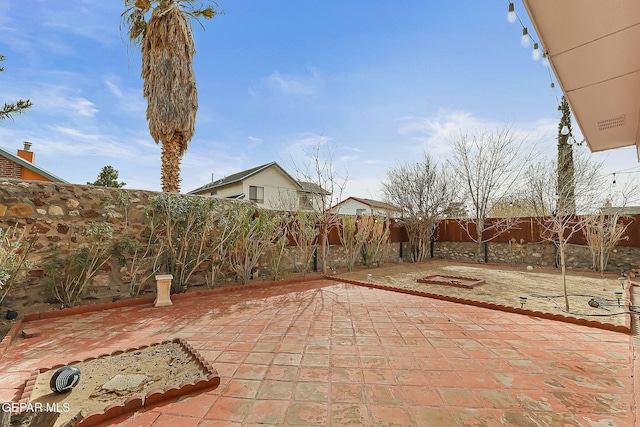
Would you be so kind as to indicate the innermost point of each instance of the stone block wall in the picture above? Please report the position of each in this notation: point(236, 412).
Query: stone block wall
point(538, 254)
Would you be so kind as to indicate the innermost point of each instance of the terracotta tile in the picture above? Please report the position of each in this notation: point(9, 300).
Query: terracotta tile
point(459, 397)
point(347, 393)
point(278, 390)
point(281, 373)
point(229, 409)
point(378, 376)
point(307, 414)
point(390, 416)
point(313, 373)
point(259, 358)
point(312, 391)
point(342, 414)
point(168, 420)
point(420, 395)
point(483, 417)
point(269, 412)
point(499, 399)
point(241, 388)
point(347, 375)
point(250, 372)
point(385, 395)
point(194, 406)
point(315, 360)
point(287, 359)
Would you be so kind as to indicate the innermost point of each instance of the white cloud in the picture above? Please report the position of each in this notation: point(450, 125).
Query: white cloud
point(57, 98)
point(293, 84)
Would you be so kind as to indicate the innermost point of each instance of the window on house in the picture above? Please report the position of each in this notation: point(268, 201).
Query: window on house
point(361, 211)
point(214, 193)
point(306, 202)
point(256, 194)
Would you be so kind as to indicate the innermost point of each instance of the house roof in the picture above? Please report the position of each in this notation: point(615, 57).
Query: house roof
point(310, 187)
point(375, 204)
point(37, 169)
point(592, 47)
point(307, 187)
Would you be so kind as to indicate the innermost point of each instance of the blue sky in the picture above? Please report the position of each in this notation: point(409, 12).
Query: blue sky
point(380, 82)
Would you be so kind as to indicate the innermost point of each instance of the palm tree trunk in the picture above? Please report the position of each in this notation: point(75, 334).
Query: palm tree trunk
point(171, 155)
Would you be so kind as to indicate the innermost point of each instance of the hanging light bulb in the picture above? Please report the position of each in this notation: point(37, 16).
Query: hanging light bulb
point(614, 178)
point(564, 130)
point(511, 14)
point(571, 140)
point(536, 52)
point(545, 59)
point(525, 37)
point(552, 85)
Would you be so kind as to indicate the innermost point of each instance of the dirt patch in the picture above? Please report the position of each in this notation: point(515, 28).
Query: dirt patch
point(505, 284)
point(139, 372)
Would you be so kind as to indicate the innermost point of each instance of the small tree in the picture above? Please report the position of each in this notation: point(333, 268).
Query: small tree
point(605, 228)
point(488, 167)
point(253, 237)
point(578, 195)
point(69, 274)
point(375, 232)
point(423, 191)
point(188, 229)
point(108, 177)
point(321, 180)
point(14, 249)
point(350, 239)
point(17, 107)
point(302, 229)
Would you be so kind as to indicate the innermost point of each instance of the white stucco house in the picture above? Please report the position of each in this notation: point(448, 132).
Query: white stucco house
point(360, 206)
point(269, 186)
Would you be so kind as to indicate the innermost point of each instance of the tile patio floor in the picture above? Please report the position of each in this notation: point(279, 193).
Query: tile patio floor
point(324, 353)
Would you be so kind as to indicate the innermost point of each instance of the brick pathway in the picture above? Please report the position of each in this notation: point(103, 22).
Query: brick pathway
point(321, 353)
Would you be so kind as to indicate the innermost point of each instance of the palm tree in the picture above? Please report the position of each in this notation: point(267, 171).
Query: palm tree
point(166, 41)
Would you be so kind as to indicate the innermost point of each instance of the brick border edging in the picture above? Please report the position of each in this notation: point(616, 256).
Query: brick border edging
point(625, 329)
point(8, 339)
point(134, 403)
point(474, 282)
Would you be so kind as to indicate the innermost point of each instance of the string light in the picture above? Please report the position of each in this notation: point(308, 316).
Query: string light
point(511, 13)
point(525, 37)
point(536, 52)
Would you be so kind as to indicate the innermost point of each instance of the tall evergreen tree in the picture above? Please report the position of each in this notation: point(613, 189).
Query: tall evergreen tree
point(566, 170)
point(108, 177)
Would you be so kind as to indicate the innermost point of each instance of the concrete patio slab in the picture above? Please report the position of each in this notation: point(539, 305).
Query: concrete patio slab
point(321, 353)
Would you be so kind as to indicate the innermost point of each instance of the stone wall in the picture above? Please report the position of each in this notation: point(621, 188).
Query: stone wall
point(58, 215)
point(537, 254)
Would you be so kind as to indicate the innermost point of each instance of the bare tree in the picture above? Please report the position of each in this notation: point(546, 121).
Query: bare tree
point(321, 180)
point(605, 228)
point(488, 166)
point(579, 195)
point(423, 192)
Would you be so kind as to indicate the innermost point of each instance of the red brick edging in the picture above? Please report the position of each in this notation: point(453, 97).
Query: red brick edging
point(626, 328)
point(134, 403)
point(8, 339)
point(473, 281)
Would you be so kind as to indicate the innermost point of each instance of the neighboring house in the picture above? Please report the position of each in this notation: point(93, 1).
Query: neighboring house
point(269, 186)
point(359, 206)
point(22, 166)
point(608, 209)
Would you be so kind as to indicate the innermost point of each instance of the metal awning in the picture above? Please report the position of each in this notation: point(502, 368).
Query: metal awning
point(593, 47)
